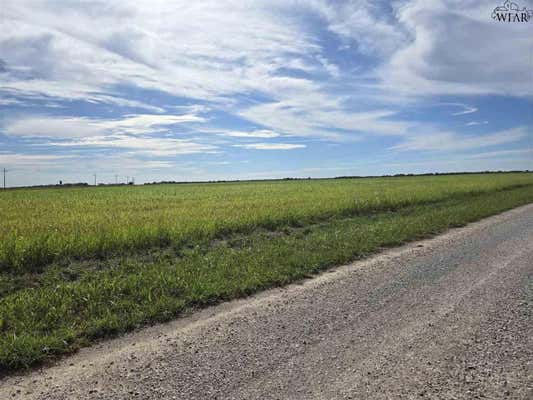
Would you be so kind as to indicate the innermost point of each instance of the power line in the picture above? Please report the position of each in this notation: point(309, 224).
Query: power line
point(5, 171)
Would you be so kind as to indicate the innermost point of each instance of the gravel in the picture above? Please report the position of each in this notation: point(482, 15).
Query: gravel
point(447, 318)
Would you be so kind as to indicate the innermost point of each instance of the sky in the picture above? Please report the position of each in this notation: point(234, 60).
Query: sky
point(212, 90)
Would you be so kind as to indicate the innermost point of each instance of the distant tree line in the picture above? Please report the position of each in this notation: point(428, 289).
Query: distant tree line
point(435, 174)
point(85, 184)
point(57, 185)
point(337, 177)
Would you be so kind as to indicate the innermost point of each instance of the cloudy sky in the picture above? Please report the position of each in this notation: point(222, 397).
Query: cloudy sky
point(200, 90)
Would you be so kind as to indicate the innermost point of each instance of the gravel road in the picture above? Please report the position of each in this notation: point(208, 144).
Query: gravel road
point(445, 318)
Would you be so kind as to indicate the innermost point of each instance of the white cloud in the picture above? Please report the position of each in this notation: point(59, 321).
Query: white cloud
point(192, 49)
point(162, 147)
point(363, 23)
point(270, 146)
point(331, 68)
point(158, 164)
point(127, 133)
point(467, 110)
point(214, 50)
point(464, 109)
point(324, 116)
point(474, 123)
point(451, 141)
point(456, 48)
point(146, 123)
point(52, 127)
point(69, 127)
point(261, 133)
point(55, 92)
point(17, 160)
point(9, 102)
point(505, 153)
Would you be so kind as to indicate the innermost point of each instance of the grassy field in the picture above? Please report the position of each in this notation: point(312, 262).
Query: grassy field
point(80, 264)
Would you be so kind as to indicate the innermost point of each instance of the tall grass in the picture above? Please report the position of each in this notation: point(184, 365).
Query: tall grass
point(38, 227)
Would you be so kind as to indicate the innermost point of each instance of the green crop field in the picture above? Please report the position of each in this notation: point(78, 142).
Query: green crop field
point(79, 264)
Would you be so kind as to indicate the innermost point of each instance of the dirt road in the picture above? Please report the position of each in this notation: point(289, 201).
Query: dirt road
point(450, 318)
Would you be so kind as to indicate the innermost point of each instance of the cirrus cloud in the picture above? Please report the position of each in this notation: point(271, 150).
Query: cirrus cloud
point(65, 127)
point(270, 146)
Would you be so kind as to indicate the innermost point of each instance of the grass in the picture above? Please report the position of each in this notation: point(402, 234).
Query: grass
point(42, 226)
point(142, 255)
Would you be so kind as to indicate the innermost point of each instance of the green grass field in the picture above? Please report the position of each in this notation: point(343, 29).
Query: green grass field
point(80, 264)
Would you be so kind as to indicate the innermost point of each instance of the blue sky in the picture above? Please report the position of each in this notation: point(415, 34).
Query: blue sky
point(168, 90)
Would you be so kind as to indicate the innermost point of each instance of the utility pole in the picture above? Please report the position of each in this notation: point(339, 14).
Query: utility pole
point(5, 170)
point(94, 179)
